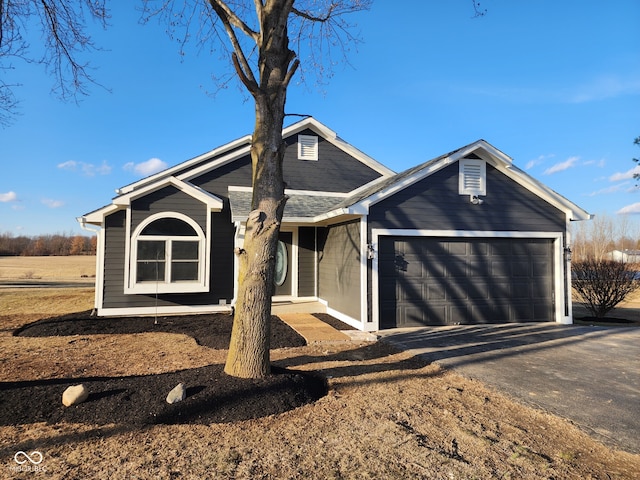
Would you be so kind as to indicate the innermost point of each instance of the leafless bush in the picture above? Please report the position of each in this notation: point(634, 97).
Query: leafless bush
point(603, 284)
point(29, 275)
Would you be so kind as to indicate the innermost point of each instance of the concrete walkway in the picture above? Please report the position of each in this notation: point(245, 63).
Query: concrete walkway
point(312, 329)
point(589, 375)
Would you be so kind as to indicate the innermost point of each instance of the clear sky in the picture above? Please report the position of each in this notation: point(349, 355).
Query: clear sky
point(553, 84)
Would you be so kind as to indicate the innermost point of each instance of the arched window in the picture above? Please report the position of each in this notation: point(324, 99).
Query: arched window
point(167, 255)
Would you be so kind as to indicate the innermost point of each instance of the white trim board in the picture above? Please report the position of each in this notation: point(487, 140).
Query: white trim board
point(558, 267)
point(164, 310)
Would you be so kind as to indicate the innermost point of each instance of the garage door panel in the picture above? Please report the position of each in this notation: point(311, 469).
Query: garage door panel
point(435, 270)
point(413, 266)
point(541, 267)
point(437, 281)
point(520, 268)
point(491, 313)
point(521, 290)
point(457, 248)
point(479, 248)
point(459, 314)
point(411, 290)
point(414, 315)
point(498, 267)
point(435, 292)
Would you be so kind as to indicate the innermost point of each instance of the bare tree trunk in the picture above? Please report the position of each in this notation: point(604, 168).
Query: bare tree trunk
point(248, 355)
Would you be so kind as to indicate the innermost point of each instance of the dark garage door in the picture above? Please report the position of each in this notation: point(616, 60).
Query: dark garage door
point(448, 281)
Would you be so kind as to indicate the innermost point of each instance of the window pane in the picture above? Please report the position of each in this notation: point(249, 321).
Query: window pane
point(150, 271)
point(181, 271)
point(169, 226)
point(151, 250)
point(184, 250)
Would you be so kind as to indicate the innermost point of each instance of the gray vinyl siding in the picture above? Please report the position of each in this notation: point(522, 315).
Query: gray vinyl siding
point(339, 267)
point(114, 258)
point(306, 262)
point(334, 171)
point(236, 173)
point(168, 199)
point(434, 204)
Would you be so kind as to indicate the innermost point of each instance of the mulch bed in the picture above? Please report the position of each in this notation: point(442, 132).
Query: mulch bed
point(604, 321)
point(209, 330)
point(212, 396)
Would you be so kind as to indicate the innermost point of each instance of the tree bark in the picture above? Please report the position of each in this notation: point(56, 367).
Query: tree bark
point(248, 355)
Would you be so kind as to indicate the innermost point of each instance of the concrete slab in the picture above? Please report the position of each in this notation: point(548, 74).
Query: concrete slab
point(312, 329)
point(589, 375)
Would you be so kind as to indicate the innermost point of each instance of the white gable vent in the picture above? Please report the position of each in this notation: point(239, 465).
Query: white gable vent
point(307, 147)
point(473, 177)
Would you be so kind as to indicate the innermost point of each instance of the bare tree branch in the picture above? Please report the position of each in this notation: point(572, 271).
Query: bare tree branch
point(239, 59)
point(223, 10)
point(63, 30)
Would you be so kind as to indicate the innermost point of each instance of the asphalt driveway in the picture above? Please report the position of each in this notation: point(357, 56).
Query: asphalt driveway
point(589, 375)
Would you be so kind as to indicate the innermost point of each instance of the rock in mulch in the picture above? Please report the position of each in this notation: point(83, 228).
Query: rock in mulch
point(74, 395)
point(178, 394)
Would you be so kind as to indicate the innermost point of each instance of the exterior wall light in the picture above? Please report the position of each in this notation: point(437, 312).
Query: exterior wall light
point(567, 253)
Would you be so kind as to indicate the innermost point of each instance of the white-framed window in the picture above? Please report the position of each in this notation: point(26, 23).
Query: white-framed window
point(167, 255)
point(472, 177)
point(307, 147)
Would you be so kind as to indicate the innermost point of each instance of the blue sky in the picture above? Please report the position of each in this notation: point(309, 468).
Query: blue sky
point(554, 85)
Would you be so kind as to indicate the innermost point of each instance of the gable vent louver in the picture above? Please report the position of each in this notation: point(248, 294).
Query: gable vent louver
point(472, 177)
point(307, 147)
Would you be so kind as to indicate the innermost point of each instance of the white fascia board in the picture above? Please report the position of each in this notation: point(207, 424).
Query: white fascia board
point(341, 214)
point(168, 310)
point(213, 202)
point(495, 154)
point(311, 123)
point(181, 166)
point(97, 217)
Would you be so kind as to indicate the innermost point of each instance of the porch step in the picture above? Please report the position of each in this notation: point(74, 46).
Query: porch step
point(312, 329)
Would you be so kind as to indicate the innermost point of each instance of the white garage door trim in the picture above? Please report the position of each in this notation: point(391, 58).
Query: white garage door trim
point(558, 267)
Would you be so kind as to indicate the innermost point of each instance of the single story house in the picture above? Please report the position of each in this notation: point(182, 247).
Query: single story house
point(464, 238)
point(625, 256)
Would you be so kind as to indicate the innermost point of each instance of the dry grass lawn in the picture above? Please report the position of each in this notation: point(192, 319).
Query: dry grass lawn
point(387, 415)
point(78, 268)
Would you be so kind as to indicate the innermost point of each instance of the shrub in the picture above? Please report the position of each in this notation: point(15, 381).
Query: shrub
point(603, 284)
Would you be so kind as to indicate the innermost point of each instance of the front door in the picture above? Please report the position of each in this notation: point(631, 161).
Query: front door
point(282, 278)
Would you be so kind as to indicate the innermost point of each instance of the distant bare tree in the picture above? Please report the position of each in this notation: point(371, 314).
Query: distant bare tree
point(62, 27)
point(78, 245)
point(56, 244)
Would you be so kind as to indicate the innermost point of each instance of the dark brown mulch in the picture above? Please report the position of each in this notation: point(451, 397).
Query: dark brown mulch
point(209, 330)
point(212, 396)
point(604, 321)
